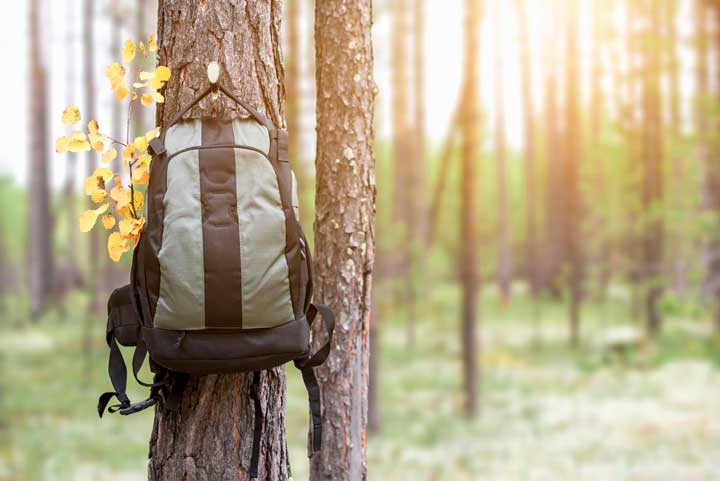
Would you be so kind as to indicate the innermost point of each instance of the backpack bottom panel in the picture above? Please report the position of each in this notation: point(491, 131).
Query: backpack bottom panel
point(215, 351)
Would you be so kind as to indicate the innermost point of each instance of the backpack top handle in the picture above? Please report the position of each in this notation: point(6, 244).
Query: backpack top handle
point(213, 88)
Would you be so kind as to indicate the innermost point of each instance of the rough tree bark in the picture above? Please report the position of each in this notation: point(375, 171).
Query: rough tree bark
point(571, 191)
point(210, 438)
point(344, 231)
point(652, 192)
point(531, 258)
point(504, 269)
point(40, 260)
point(468, 262)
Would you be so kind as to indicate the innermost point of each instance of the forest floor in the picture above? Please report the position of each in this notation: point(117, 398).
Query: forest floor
point(618, 408)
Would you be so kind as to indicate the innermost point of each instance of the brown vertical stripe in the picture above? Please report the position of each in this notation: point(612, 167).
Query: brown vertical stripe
point(221, 234)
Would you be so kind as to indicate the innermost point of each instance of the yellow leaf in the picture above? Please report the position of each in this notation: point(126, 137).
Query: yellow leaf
point(78, 143)
point(125, 207)
point(140, 170)
point(128, 52)
point(141, 45)
point(99, 196)
point(97, 141)
point(93, 126)
point(138, 85)
point(98, 180)
point(140, 143)
point(146, 100)
point(162, 73)
point(108, 156)
point(108, 221)
point(71, 115)
point(115, 73)
point(157, 97)
point(121, 91)
point(120, 195)
point(128, 152)
point(152, 42)
point(62, 144)
point(131, 228)
point(89, 217)
point(134, 95)
point(116, 246)
point(146, 76)
point(151, 134)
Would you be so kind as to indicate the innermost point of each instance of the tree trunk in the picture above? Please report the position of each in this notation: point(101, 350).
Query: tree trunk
point(40, 256)
point(443, 172)
point(468, 262)
point(598, 220)
point(652, 194)
point(416, 172)
point(69, 200)
point(504, 270)
point(293, 91)
point(531, 258)
point(553, 255)
point(571, 171)
point(344, 227)
point(210, 437)
point(400, 110)
point(89, 113)
point(711, 195)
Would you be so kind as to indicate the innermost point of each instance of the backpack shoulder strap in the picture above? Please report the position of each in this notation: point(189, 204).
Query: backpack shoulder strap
point(306, 365)
point(117, 371)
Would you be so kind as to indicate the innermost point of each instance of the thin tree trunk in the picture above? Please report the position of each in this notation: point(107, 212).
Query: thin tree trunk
point(344, 228)
point(293, 91)
point(210, 437)
point(446, 157)
point(652, 194)
point(400, 110)
point(711, 194)
point(417, 169)
point(504, 271)
point(531, 199)
point(40, 255)
point(679, 262)
point(94, 239)
point(553, 255)
point(69, 201)
point(469, 276)
point(572, 162)
point(598, 228)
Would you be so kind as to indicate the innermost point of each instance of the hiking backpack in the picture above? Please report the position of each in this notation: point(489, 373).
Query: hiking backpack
point(221, 277)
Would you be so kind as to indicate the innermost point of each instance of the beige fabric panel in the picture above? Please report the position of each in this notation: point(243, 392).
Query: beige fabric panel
point(181, 304)
point(265, 280)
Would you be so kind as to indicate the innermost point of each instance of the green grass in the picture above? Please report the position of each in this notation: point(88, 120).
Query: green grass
point(645, 412)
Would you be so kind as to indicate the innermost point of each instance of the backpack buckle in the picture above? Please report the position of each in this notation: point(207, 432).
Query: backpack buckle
point(139, 406)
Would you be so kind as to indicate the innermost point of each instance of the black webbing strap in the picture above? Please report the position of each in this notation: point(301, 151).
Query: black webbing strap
point(315, 430)
point(118, 377)
point(307, 365)
point(257, 431)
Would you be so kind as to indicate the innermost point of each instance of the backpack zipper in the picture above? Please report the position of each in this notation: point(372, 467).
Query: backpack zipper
point(219, 146)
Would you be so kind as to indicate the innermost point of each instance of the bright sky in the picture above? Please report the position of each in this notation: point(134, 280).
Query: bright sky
point(443, 69)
